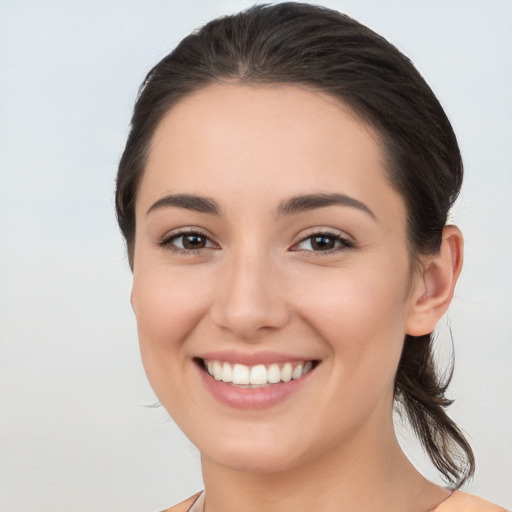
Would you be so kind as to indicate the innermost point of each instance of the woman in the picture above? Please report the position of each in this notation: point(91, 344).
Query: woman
point(284, 193)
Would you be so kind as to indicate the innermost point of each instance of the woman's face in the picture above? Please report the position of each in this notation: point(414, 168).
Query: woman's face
point(269, 243)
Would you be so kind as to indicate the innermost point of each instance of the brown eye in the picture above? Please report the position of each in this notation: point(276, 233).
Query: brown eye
point(322, 243)
point(189, 241)
point(193, 241)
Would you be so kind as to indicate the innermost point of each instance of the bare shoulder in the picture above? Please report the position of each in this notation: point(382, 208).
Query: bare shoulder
point(184, 506)
point(463, 502)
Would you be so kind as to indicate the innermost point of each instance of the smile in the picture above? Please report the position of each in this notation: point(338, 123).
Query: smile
point(260, 375)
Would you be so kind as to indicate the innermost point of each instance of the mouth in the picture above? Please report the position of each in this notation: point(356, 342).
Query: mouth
point(257, 376)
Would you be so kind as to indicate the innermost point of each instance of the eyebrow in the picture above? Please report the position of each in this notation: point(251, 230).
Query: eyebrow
point(188, 202)
point(313, 201)
point(293, 205)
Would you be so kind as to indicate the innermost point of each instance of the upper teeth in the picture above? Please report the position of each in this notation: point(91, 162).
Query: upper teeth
point(258, 375)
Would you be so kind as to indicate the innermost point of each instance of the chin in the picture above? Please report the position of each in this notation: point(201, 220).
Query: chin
point(252, 460)
point(251, 454)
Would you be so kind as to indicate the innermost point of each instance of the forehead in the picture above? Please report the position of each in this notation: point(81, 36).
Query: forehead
point(241, 142)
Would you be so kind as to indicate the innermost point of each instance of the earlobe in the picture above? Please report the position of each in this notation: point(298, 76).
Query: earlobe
point(436, 284)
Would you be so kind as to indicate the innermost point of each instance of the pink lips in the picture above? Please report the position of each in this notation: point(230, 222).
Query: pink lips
point(250, 398)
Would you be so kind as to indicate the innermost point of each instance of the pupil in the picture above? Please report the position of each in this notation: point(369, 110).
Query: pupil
point(323, 243)
point(194, 242)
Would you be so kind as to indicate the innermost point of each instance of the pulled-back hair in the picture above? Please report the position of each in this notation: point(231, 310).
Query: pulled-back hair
point(296, 43)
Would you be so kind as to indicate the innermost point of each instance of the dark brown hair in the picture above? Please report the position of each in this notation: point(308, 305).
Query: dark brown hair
point(296, 43)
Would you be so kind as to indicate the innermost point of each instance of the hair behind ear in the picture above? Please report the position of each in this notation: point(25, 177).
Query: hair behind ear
point(418, 386)
point(421, 392)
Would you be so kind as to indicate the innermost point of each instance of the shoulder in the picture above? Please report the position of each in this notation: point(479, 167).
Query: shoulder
point(463, 502)
point(184, 506)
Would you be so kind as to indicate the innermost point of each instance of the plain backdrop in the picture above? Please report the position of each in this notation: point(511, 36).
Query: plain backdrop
point(76, 429)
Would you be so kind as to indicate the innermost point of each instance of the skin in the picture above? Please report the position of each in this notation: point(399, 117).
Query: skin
point(259, 284)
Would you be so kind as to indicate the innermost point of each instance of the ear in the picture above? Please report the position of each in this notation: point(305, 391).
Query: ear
point(435, 283)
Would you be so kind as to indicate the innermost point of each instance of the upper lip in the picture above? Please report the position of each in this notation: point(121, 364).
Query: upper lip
point(251, 359)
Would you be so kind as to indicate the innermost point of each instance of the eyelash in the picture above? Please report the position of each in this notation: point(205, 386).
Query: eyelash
point(343, 242)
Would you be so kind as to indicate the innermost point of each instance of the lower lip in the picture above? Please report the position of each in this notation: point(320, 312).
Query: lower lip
point(251, 398)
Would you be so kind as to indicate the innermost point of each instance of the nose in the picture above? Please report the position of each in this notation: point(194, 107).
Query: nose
point(249, 300)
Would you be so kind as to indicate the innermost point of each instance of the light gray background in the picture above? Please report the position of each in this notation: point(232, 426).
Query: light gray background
point(74, 430)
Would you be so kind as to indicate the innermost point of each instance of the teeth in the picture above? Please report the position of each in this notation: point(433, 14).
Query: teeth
point(286, 372)
point(240, 373)
point(217, 370)
point(297, 371)
point(258, 375)
point(227, 373)
point(273, 374)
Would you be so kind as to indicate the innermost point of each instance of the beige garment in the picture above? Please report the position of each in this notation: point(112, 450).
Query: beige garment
point(462, 502)
point(458, 502)
point(184, 506)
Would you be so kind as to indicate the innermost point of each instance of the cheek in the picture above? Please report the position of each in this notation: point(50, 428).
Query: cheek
point(168, 306)
point(167, 302)
point(363, 328)
point(360, 314)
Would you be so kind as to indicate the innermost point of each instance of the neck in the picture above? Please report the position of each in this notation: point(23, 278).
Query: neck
point(355, 475)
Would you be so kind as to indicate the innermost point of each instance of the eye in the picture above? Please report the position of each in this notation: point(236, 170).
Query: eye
point(186, 242)
point(323, 242)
